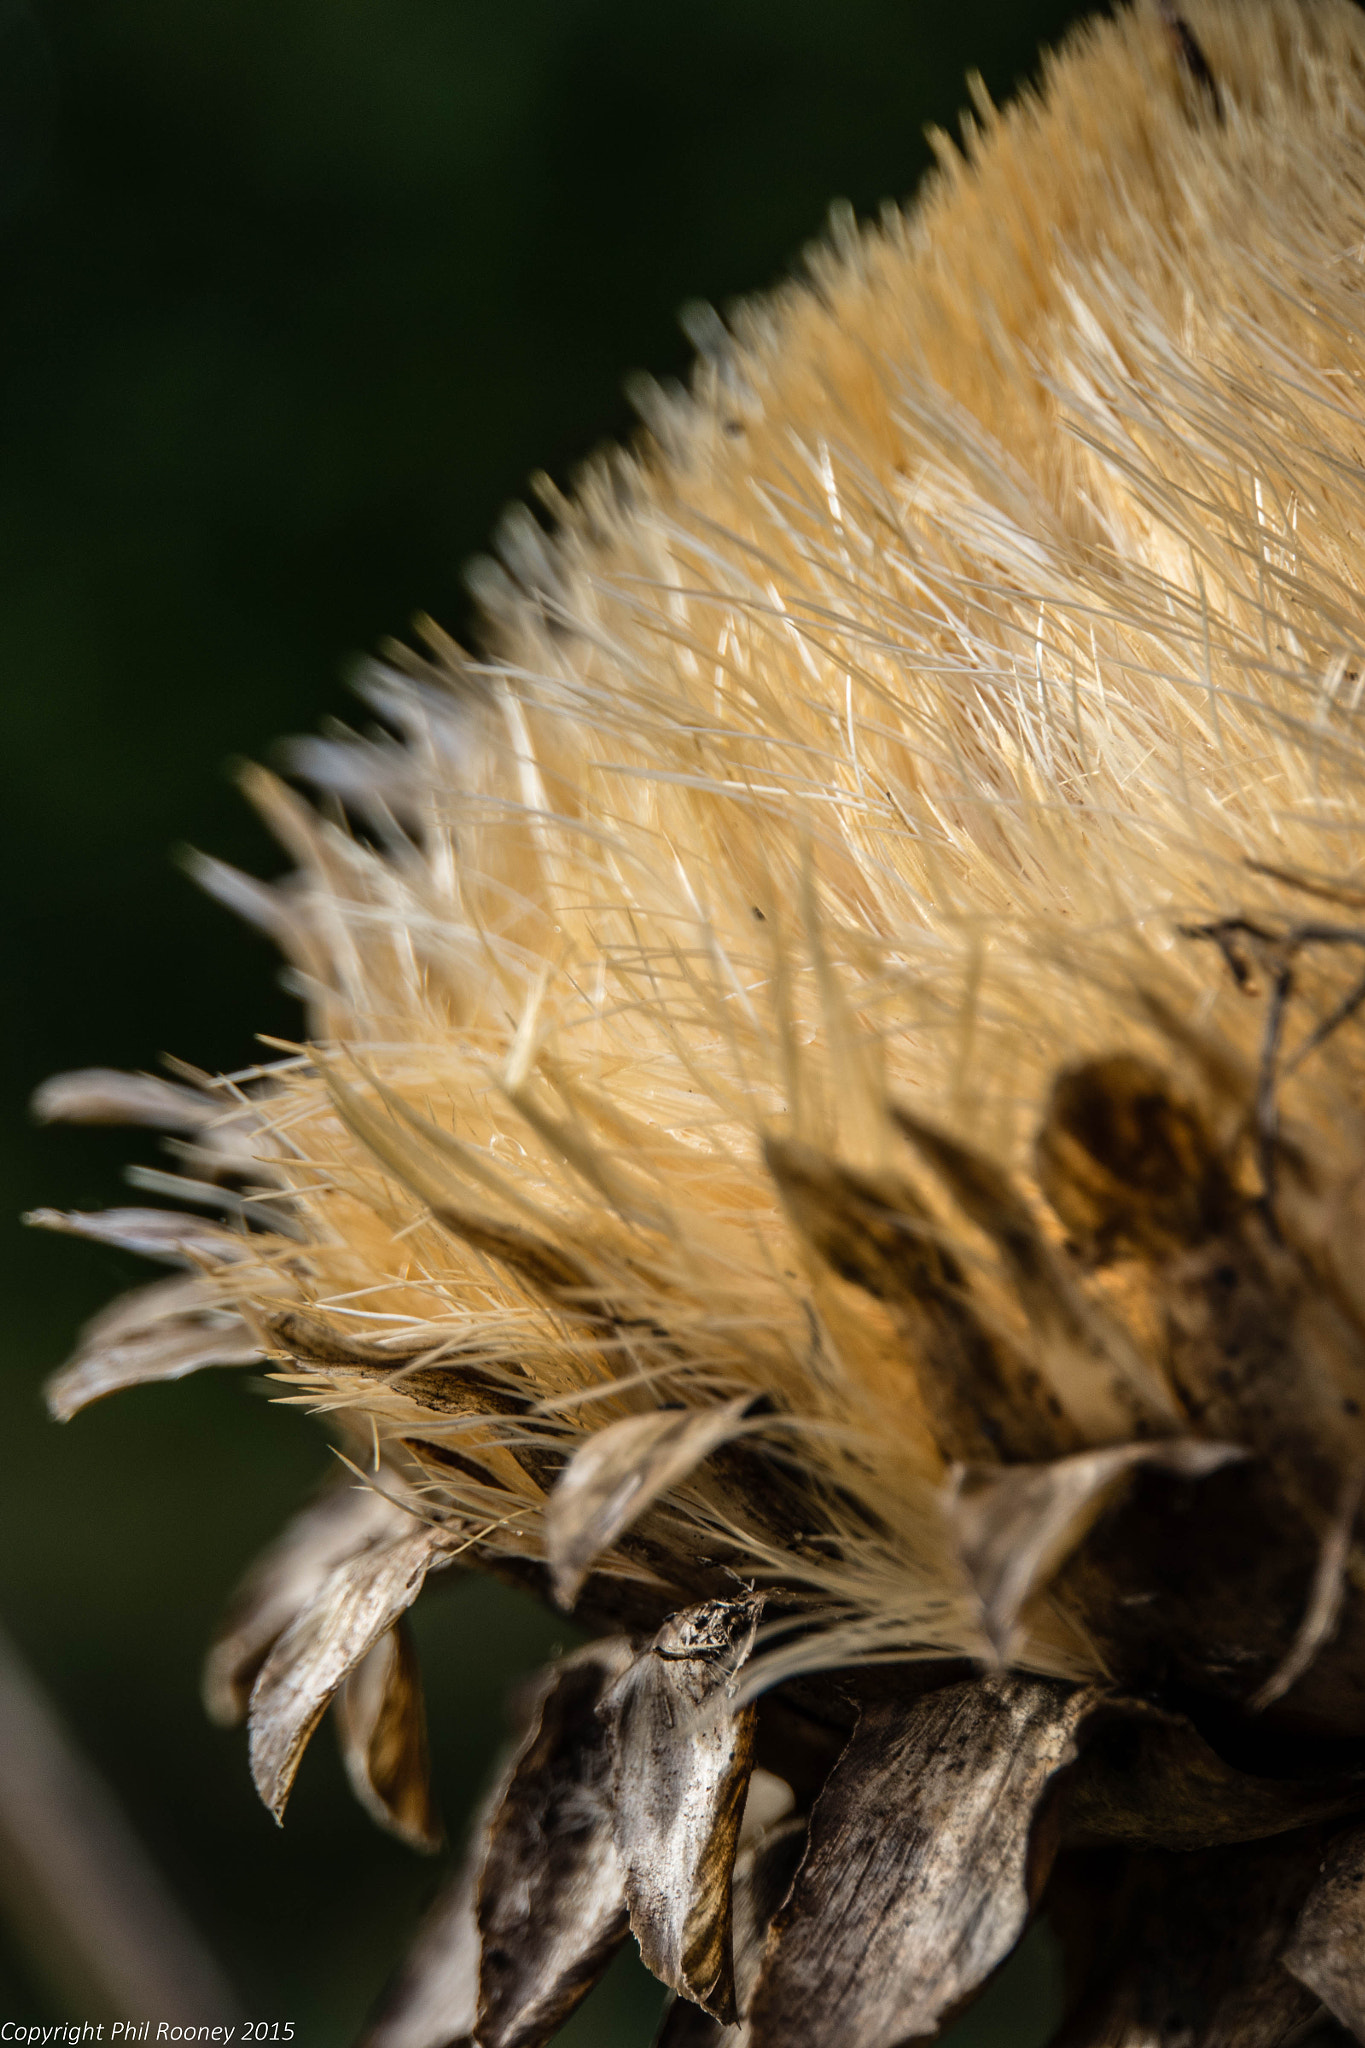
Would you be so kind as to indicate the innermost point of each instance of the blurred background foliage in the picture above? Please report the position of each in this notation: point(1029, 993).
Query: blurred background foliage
point(296, 293)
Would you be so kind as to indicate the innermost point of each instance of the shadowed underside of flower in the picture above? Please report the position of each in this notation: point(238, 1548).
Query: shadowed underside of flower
point(831, 1136)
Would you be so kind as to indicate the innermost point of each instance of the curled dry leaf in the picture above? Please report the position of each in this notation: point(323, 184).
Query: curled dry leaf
point(103, 1095)
point(344, 1520)
point(1327, 1949)
point(923, 1867)
point(355, 1604)
point(551, 1894)
point(382, 1723)
point(1014, 1525)
point(169, 1234)
point(616, 1475)
point(1176, 1951)
point(162, 1332)
point(681, 1763)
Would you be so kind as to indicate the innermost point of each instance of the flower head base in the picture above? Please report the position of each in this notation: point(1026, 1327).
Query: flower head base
point(831, 1139)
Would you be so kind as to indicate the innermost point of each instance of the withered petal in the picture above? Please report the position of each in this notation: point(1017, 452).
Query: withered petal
point(617, 1473)
point(1182, 1951)
point(1327, 1949)
point(924, 1865)
point(157, 1333)
point(680, 1771)
point(551, 1893)
point(285, 1579)
point(104, 1095)
point(382, 1724)
point(355, 1604)
point(180, 1294)
point(170, 1234)
point(1014, 1525)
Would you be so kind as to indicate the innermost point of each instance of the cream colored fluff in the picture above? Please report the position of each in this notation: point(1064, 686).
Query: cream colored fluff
point(991, 609)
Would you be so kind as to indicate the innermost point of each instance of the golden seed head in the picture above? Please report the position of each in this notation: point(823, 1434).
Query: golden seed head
point(834, 1079)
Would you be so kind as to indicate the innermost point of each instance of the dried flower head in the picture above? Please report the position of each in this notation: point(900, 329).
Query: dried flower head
point(832, 1130)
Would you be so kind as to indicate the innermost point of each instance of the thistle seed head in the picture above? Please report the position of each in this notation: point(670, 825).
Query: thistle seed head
point(830, 1138)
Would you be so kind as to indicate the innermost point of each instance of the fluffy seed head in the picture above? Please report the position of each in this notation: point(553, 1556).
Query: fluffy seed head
point(834, 1063)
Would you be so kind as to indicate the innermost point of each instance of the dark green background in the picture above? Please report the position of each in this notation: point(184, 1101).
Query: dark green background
point(295, 294)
